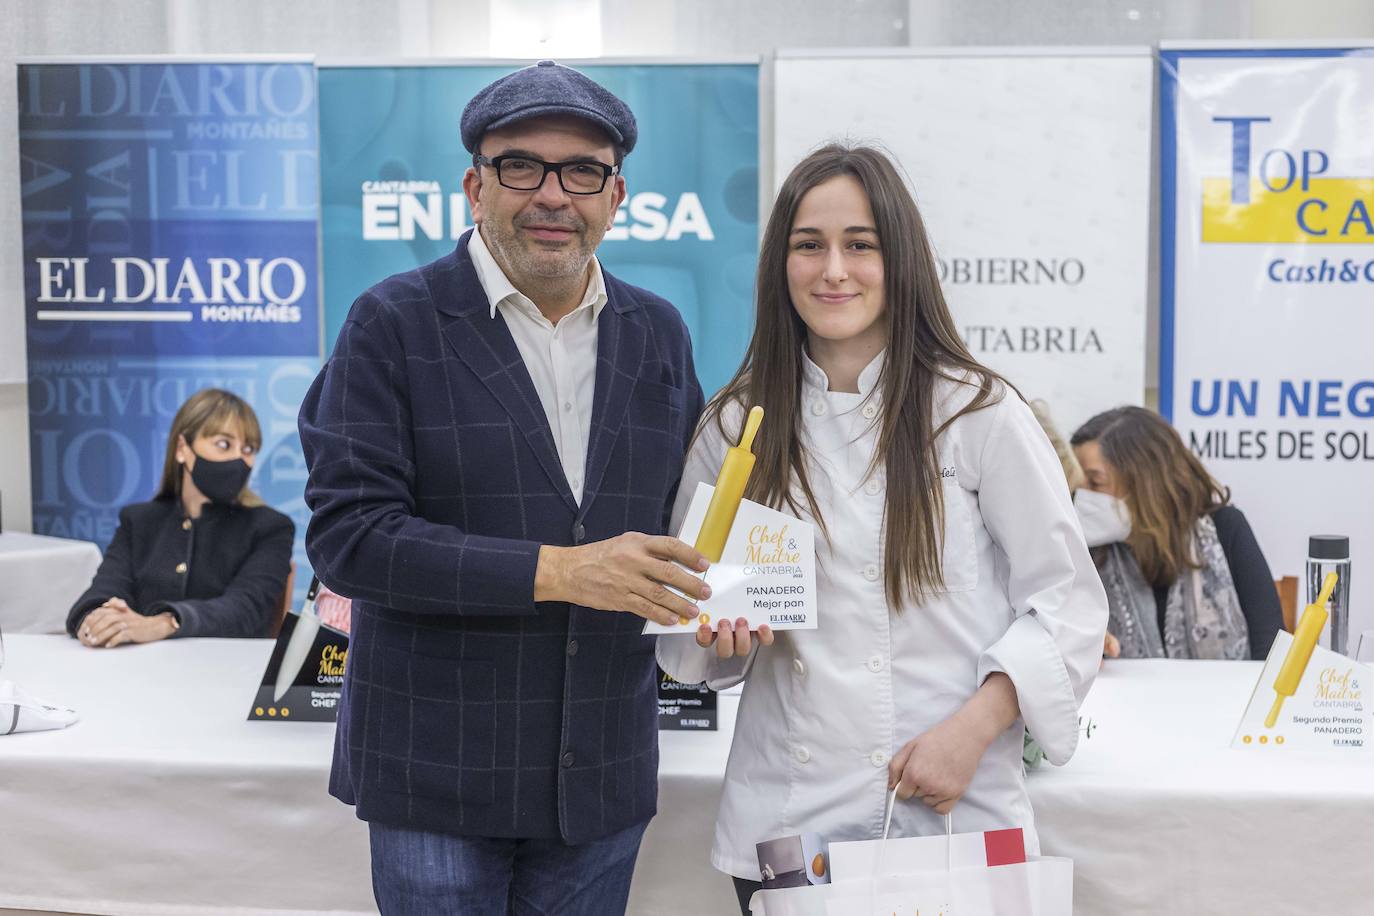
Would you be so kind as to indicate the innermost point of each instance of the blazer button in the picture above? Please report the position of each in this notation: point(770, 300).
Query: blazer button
point(572, 647)
point(185, 524)
point(579, 533)
point(567, 760)
point(181, 568)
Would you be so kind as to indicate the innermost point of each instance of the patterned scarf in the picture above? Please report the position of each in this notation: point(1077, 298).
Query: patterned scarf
point(1202, 618)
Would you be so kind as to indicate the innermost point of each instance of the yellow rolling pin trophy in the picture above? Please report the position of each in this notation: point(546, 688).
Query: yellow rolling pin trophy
point(730, 484)
point(762, 561)
point(1300, 652)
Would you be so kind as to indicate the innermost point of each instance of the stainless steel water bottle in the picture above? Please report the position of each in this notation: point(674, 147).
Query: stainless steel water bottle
point(1328, 553)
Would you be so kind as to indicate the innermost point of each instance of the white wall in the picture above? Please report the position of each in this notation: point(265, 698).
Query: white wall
point(1330, 19)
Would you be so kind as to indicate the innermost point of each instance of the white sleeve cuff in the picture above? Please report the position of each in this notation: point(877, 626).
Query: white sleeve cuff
point(1028, 655)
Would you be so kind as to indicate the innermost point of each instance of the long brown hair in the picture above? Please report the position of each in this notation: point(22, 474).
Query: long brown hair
point(923, 346)
point(1163, 484)
point(210, 409)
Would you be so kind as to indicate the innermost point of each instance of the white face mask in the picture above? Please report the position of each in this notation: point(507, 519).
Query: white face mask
point(1105, 519)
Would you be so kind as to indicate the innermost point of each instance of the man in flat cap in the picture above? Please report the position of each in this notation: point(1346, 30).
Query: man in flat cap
point(494, 448)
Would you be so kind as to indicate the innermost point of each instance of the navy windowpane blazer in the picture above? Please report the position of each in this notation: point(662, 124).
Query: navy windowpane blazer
point(467, 707)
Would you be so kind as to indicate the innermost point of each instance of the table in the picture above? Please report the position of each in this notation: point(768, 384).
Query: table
point(1158, 813)
point(673, 876)
point(164, 799)
point(40, 579)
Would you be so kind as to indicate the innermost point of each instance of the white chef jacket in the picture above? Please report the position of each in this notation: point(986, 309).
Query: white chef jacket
point(824, 710)
point(560, 358)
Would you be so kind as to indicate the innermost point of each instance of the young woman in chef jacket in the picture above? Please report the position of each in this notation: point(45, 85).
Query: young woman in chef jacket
point(958, 603)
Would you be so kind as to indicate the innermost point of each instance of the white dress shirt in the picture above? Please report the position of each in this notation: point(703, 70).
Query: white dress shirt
point(824, 710)
point(561, 358)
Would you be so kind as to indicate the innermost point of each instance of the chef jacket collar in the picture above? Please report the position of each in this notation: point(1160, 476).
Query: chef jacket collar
point(815, 381)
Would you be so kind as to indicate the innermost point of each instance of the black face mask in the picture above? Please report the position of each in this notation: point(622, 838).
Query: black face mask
point(221, 481)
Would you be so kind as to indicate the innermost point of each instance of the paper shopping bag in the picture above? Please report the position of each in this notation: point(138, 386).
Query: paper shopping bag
point(1040, 886)
point(865, 859)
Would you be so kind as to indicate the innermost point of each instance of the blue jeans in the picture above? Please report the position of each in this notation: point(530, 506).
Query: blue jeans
point(415, 873)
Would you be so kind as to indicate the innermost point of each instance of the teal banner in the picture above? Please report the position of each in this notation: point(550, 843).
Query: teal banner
point(392, 167)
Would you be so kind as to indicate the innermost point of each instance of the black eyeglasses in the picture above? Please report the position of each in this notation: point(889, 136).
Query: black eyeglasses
point(521, 173)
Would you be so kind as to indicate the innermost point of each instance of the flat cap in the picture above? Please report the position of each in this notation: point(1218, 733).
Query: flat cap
point(545, 90)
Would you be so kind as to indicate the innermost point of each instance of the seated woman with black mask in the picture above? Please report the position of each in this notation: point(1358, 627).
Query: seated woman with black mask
point(204, 557)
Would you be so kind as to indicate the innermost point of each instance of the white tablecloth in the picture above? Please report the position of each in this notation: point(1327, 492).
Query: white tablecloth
point(1155, 809)
point(40, 579)
point(164, 799)
point(673, 876)
point(1160, 815)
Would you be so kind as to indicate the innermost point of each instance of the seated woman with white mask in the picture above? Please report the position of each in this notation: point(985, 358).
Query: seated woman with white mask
point(958, 605)
point(1184, 575)
point(204, 557)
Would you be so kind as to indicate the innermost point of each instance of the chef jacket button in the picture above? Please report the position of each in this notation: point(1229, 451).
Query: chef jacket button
point(803, 754)
point(878, 759)
point(875, 664)
point(818, 407)
point(181, 568)
point(798, 666)
point(870, 410)
point(871, 572)
point(873, 487)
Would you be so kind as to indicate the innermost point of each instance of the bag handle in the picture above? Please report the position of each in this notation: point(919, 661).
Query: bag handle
point(887, 826)
point(882, 845)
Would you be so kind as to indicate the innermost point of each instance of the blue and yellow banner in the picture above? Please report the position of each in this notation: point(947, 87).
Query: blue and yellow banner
point(1266, 274)
point(171, 243)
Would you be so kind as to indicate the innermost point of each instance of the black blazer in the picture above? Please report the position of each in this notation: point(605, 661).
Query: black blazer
point(222, 574)
point(468, 708)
